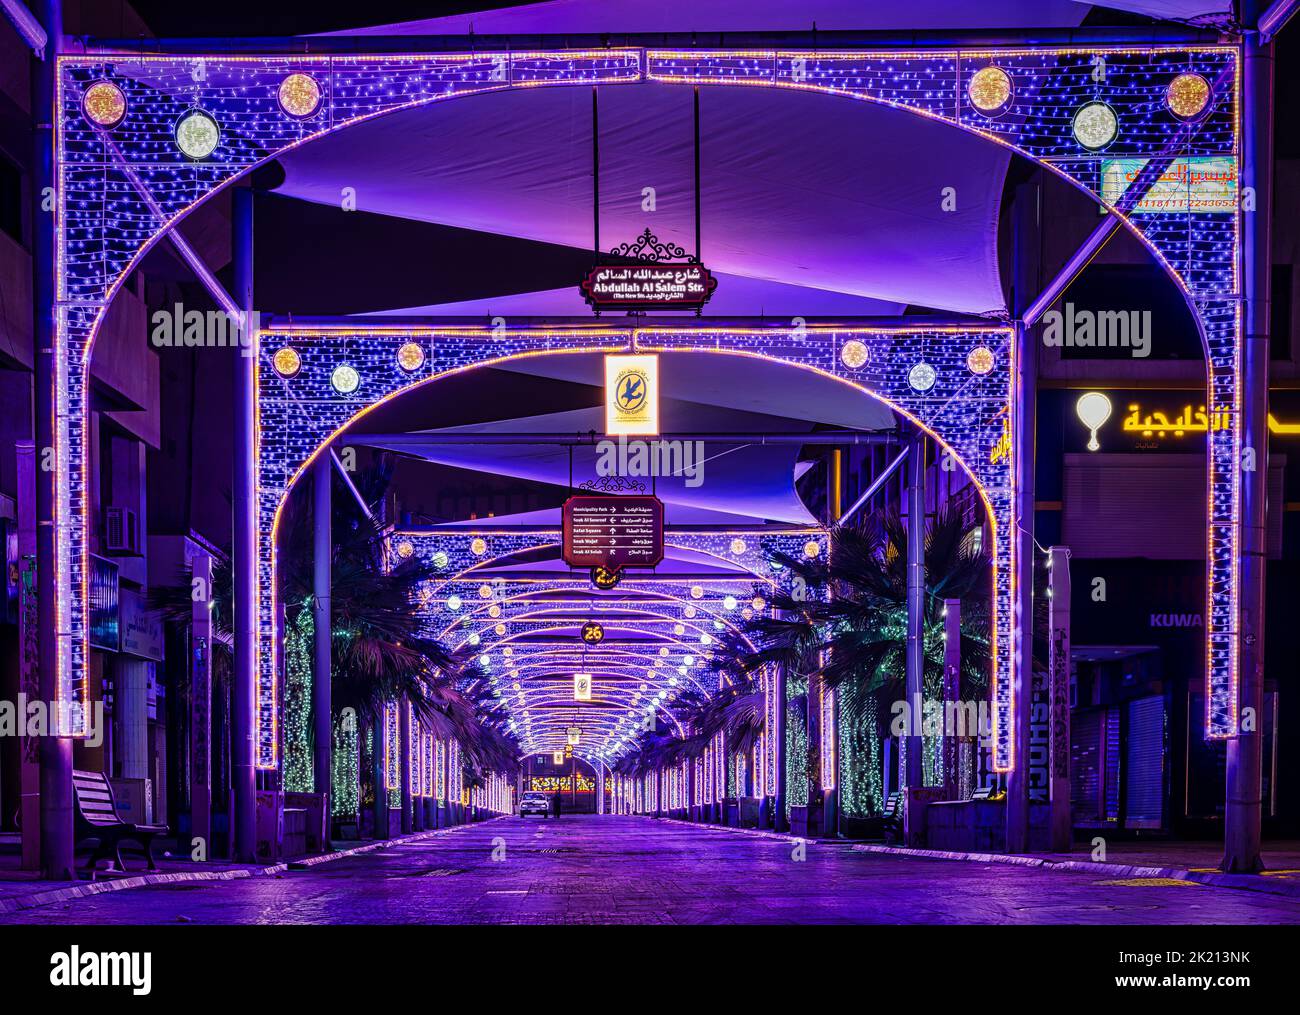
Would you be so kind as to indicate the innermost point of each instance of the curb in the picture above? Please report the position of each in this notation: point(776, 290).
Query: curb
point(1215, 879)
point(758, 833)
point(17, 903)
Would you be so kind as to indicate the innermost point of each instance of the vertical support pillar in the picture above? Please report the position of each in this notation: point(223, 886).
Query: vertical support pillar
point(200, 669)
point(404, 764)
point(244, 556)
point(1058, 696)
point(379, 776)
point(55, 752)
point(780, 748)
point(29, 633)
point(600, 788)
point(915, 659)
point(322, 668)
point(952, 704)
point(1024, 415)
point(1244, 811)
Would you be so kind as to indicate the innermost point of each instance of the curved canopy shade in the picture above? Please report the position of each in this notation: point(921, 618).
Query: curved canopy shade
point(816, 202)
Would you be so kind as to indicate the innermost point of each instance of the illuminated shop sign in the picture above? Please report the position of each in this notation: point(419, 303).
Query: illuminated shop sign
point(632, 395)
point(1197, 184)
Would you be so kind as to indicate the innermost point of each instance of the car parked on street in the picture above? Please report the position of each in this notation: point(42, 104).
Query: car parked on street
point(534, 803)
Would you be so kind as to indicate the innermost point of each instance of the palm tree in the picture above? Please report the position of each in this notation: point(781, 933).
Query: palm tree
point(845, 619)
point(380, 652)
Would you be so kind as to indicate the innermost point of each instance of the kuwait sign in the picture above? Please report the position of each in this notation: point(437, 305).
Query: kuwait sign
point(603, 530)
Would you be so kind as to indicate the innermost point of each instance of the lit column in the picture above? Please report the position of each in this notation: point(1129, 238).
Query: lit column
point(56, 840)
point(915, 658)
point(1058, 696)
point(322, 715)
point(404, 746)
point(244, 555)
point(200, 669)
point(600, 788)
point(1024, 414)
point(951, 697)
point(1244, 811)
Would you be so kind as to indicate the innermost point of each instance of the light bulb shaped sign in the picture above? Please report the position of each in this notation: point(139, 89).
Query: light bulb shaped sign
point(1093, 409)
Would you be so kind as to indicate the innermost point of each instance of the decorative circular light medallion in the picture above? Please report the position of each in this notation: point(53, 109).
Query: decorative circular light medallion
point(1187, 96)
point(990, 90)
point(485, 591)
point(441, 560)
point(812, 549)
point(854, 354)
point(729, 603)
point(104, 105)
point(690, 611)
point(922, 376)
point(592, 633)
point(980, 360)
point(345, 379)
point(410, 357)
point(478, 546)
point(197, 134)
point(286, 361)
point(758, 603)
point(453, 603)
point(500, 629)
point(697, 592)
point(1095, 125)
point(299, 95)
point(405, 548)
point(738, 546)
point(605, 579)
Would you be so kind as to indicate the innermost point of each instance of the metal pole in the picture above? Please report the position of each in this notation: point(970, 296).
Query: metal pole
point(322, 711)
point(55, 751)
point(1024, 422)
point(952, 697)
point(244, 556)
point(915, 659)
point(1244, 812)
point(1058, 661)
point(404, 763)
point(200, 666)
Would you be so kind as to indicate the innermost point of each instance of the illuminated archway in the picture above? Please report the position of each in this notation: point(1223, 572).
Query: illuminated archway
point(120, 189)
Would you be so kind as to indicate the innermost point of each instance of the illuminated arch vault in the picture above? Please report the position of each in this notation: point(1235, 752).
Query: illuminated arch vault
point(120, 190)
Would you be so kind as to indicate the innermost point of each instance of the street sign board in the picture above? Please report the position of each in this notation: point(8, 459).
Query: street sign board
point(614, 532)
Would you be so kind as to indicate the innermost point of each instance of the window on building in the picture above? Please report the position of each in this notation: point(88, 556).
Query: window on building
point(1280, 318)
point(11, 198)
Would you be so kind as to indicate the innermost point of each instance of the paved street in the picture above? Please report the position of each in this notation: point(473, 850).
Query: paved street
point(638, 870)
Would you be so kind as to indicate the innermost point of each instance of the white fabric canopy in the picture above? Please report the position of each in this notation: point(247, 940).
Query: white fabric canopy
point(820, 193)
point(598, 16)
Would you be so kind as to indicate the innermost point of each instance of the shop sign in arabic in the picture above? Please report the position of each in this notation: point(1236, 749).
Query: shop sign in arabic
point(1194, 184)
point(686, 286)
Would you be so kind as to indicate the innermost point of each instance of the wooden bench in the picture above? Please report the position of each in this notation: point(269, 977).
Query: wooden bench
point(97, 818)
point(892, 818)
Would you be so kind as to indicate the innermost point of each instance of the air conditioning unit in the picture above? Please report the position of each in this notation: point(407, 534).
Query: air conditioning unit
point(121, 532)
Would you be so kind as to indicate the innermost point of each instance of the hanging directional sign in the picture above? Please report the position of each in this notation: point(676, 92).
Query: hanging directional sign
point(685, 286)
point(613, 532)
point(582, 687)
point(659, 277)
